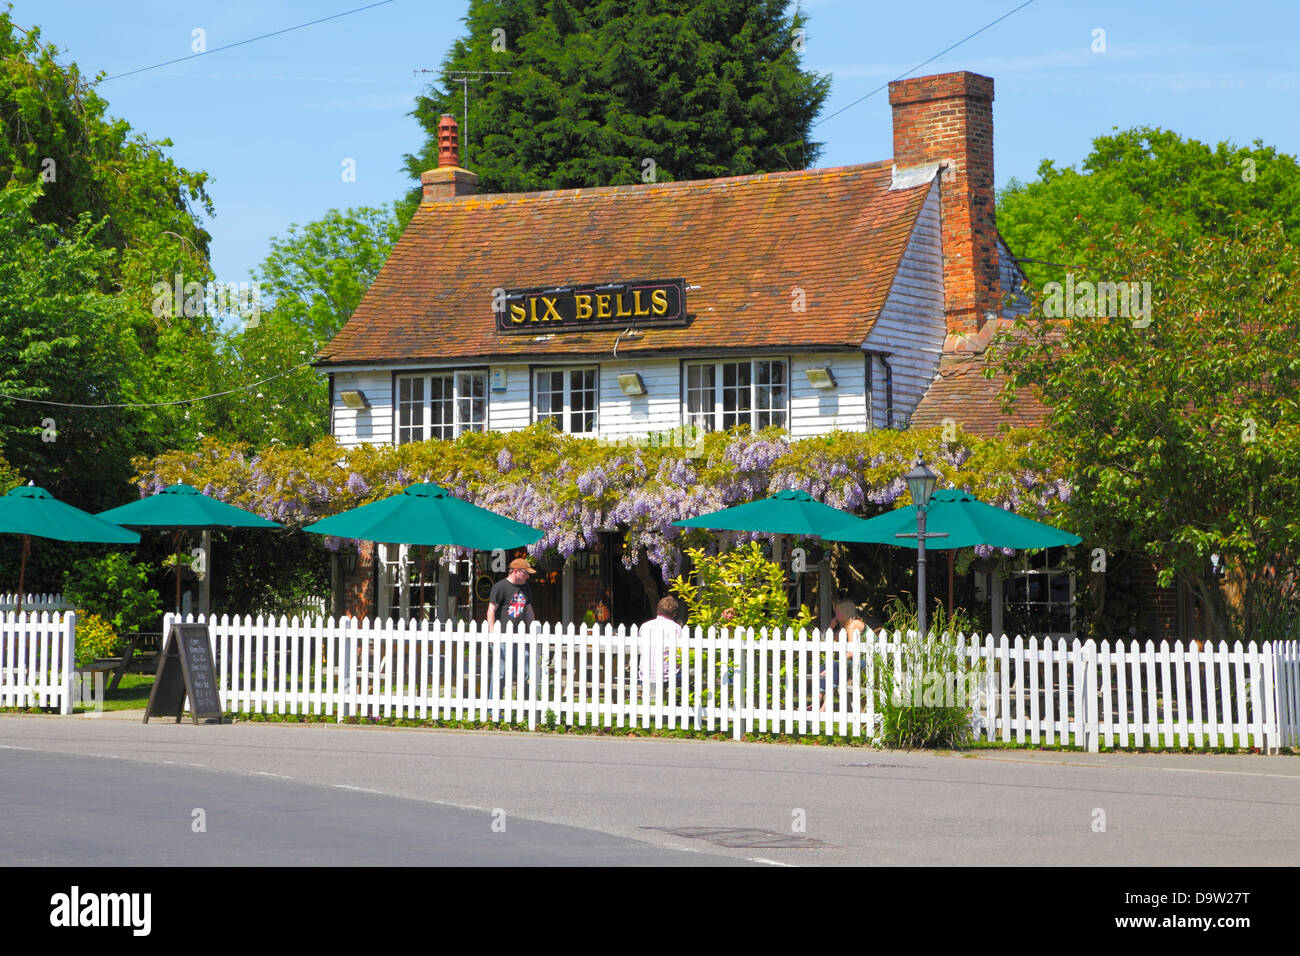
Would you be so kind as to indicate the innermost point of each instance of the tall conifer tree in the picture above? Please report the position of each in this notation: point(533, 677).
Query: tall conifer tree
point(603, 93)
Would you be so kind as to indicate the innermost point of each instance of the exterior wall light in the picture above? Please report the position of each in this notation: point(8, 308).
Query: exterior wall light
point(631, 383)
point(820, 377)
point(354, 398)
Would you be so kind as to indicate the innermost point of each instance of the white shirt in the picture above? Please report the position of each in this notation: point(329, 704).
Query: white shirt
point(658, 636)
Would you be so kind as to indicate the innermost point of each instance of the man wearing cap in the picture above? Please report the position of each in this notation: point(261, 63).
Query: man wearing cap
point(511, 602)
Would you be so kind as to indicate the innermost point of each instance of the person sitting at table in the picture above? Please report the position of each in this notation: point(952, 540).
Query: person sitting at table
point(846, 619)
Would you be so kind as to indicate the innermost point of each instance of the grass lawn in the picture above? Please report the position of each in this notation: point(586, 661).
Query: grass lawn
point(131, 694)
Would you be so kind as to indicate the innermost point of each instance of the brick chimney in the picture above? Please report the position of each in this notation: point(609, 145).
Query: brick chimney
point(448, 180)
point(948, 120)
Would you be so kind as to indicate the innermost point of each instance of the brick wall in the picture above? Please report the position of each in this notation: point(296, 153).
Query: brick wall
point(359, 584)
point(592, 589)
point(1160, 620)
point(949, 119)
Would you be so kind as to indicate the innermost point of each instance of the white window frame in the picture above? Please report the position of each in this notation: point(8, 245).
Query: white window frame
point(1039, 565)
point(567, 413)
point(714, 421)
point(460, 421)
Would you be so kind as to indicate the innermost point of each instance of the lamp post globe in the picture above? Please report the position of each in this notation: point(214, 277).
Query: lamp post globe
point(920, 482)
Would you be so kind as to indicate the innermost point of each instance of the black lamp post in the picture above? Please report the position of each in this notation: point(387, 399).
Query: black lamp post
point(920, 482)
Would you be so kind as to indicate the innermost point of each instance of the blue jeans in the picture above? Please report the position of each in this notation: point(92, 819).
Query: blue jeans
point(522, 677)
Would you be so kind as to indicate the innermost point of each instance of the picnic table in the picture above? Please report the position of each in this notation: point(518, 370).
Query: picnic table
point(146, 662)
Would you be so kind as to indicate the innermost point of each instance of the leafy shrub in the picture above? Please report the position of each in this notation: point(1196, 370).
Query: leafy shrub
point(739, 588)
point(924, 695)
point(95, 638)
point(114, 588)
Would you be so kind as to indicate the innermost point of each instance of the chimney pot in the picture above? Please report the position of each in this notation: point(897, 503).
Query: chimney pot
point(448, 142)
point(449, 180)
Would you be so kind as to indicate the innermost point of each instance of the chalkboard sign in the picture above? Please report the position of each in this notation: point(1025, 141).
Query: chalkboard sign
point(185, 667)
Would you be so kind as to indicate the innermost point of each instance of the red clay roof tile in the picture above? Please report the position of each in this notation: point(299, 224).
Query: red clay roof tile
point(747, 242)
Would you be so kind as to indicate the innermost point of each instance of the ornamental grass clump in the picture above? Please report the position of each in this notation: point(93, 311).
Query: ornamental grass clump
point(925, 690)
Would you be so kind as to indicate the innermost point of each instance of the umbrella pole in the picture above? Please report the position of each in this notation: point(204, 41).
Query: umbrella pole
point(421, 582)
point(950, 551)
point(178, 572)
point(22, 569)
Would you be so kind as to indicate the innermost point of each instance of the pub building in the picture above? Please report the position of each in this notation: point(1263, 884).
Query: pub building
point(850, 298)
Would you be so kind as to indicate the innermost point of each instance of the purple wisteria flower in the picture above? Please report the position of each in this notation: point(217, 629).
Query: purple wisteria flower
point(505, 461)
point(356, 485)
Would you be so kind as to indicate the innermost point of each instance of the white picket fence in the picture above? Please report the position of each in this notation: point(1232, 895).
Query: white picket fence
point(37, 659)
point(1023, 691)
point(34, 602)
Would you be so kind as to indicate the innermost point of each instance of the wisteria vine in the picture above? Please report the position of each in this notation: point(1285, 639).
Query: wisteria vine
point(573, 489)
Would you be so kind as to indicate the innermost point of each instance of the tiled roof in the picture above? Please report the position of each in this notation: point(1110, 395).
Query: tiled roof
point(747, 242)
point(961, 392)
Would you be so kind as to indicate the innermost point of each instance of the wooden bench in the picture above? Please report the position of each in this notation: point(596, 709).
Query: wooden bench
point(145, 662)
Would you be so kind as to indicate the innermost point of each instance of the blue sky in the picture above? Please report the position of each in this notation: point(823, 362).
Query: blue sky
point(273, 121)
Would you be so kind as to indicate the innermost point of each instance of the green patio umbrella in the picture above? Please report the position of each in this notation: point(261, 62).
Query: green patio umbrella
point(425, 515)
point(786, 512)
point(789, 512)
point(33, 512)
point(182, 507)
point(967, 522)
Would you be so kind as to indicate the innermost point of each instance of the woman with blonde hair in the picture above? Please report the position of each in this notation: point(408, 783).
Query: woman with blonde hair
point(846, 621)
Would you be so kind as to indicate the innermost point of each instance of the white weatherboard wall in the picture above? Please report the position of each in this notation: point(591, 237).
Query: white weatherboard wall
point(659, 409)
point(819, 411)
point(1011, 279)
point(358, 426)
point(911, 326)
point(510, 410)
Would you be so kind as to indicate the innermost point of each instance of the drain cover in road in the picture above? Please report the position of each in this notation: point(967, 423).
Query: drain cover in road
point(743, 838)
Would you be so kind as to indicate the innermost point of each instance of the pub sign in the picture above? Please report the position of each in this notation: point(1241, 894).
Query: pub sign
point(543, 311)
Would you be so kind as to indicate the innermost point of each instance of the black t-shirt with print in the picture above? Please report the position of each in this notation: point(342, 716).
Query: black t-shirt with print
point(514, 604)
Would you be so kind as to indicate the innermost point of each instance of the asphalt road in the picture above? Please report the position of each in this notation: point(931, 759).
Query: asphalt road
point(84, 791)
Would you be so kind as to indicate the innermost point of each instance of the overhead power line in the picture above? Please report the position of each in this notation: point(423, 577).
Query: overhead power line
point(231, 46)
point(919, 65)
point(182, 401)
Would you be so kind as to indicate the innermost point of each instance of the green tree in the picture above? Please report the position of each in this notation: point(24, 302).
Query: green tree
point(703, 88)
point(1181, 428)
point(62, 339)
point(316, 275)
point(55, 129)
point(309, 285)
point(1145, 174)
point(116, 588)
point(121, 218)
